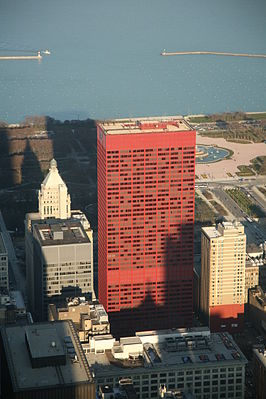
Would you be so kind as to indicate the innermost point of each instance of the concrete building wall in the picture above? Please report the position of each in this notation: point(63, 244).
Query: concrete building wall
point(66, 266)
point(208, 381)
point(204, 280)
point(58, 266)
point(257, 307)
point(4, 282)
point(259, 371)
point(251, 278)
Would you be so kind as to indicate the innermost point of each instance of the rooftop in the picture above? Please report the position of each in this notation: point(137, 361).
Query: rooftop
point(254, 250)
point(44, 342)
point(125, 390)
point(82, 307)
point(145, 125)
point(53, 178)
point(163, 349)
point(45, 339)
point(260, 295)
point(224, 229)
point(175, 394)
point(211, 232)
point(261, 355)
point(60, 232)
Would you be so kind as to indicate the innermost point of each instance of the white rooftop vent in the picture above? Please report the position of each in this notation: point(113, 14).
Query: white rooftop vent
point(58, 235)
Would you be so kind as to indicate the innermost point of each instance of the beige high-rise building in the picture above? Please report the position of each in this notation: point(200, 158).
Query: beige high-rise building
point(54, 200)
point(222, 297)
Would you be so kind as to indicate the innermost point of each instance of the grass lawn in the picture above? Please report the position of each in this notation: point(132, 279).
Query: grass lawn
point(245, 203)
point(245, 170)
point(227, 116)
point(261, 115)
point(259, 164)
point(238, 135)
point(200, 119)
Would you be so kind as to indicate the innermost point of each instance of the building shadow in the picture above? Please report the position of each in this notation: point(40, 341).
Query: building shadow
point(6, 174)
point(74, 144)
point(19, 171)
point(168, 301)
point(218, 322)
point(31, 172)
point(74, 148)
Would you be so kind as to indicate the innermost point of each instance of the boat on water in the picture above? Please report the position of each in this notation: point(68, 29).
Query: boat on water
point(163, 52)
point(47, 52)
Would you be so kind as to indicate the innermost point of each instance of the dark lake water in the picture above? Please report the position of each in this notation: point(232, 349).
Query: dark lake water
point(105, 57)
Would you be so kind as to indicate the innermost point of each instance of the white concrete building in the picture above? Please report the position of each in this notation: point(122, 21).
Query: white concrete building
point(54, 200)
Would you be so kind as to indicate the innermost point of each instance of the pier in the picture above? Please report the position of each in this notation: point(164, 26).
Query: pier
point(166, 53)
point(22, 57)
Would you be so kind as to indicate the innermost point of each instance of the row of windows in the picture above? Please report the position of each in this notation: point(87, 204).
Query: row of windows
point(148, 384)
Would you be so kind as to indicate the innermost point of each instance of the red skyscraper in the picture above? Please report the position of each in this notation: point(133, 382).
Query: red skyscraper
point(146, 176)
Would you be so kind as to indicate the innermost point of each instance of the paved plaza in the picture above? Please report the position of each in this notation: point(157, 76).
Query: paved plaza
point(243, 154)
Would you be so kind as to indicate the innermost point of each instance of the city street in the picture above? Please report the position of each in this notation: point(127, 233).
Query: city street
point(255, 231)
point(229, 204)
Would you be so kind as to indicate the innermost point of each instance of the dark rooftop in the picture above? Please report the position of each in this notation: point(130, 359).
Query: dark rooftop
point(60, 232)
point(45, 339)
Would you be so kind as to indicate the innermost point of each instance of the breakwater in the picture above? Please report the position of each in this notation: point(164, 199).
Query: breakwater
point(166, 53)
point(21, 57)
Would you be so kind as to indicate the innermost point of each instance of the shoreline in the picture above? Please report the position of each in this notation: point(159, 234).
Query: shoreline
point(186, 117)
point(227, 112)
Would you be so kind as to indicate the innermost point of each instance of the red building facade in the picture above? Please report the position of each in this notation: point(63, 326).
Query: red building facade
point(146, 176)
point(227, 318)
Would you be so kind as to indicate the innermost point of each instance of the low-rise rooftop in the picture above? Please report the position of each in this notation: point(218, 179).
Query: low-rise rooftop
point(254, 250)
point(259, 296)
point(223, 229)
point(169, 348)
point(44, 342)
point(124, 390)
point(90, 317)
point(261, 355)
